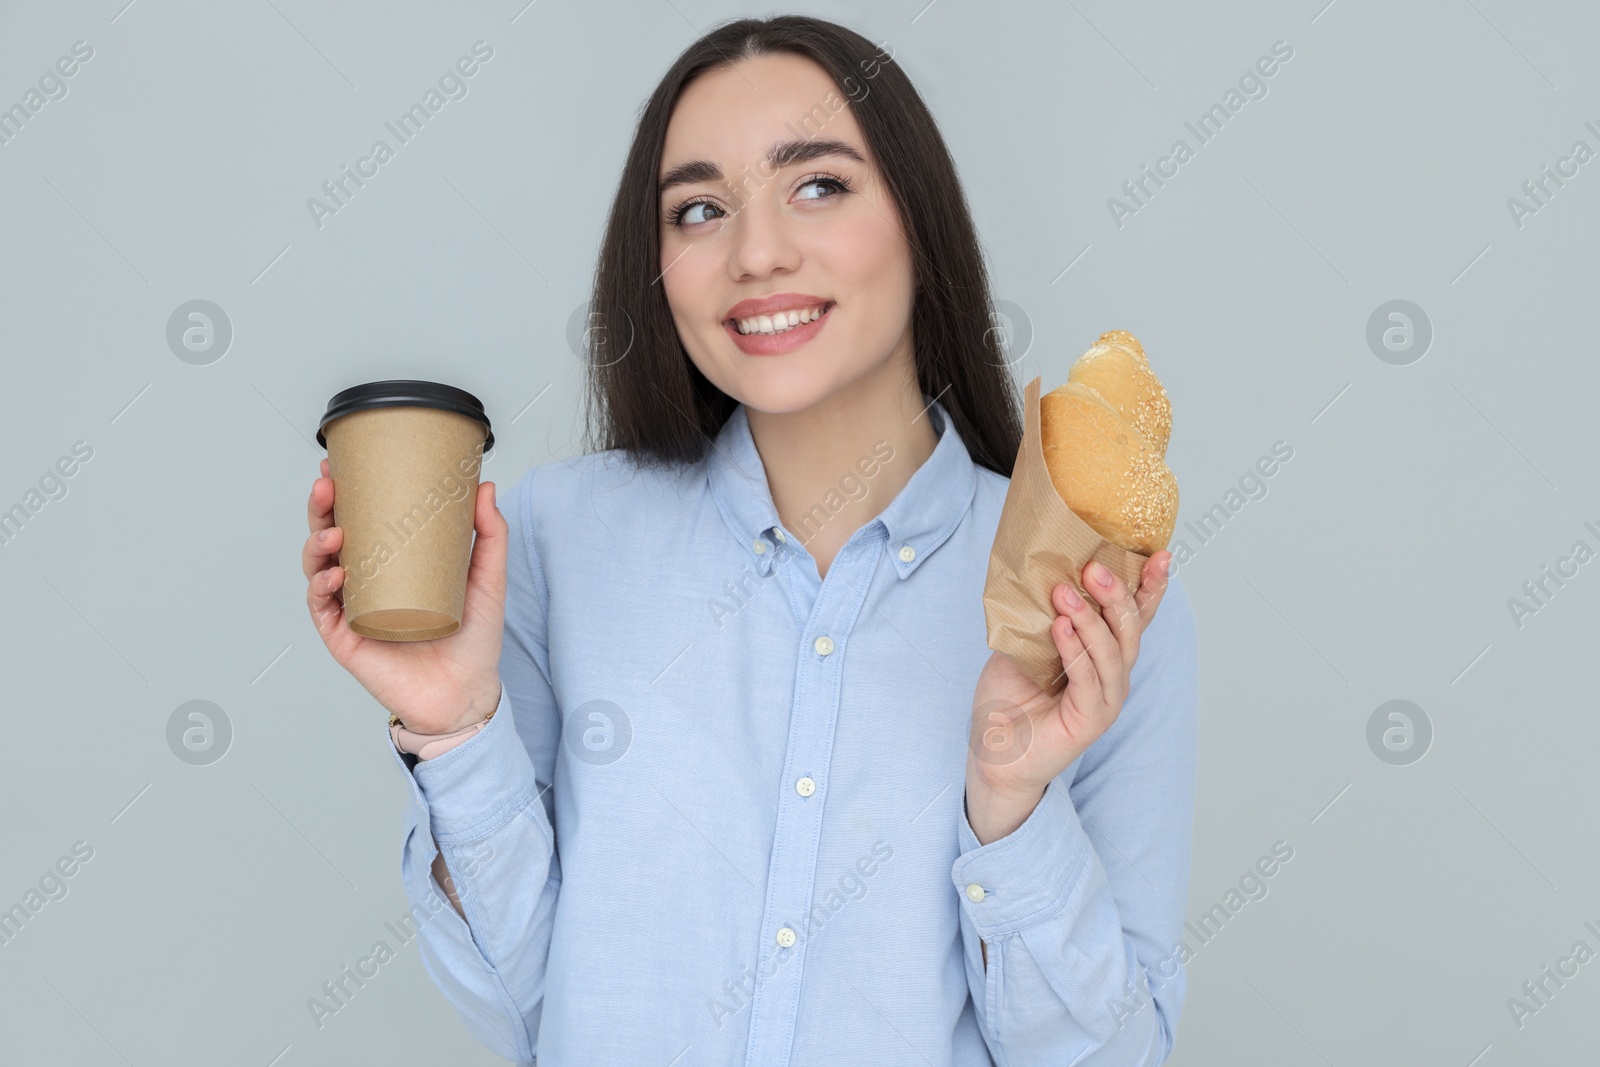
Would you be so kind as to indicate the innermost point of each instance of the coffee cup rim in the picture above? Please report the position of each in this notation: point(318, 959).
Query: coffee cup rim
point(405, 392)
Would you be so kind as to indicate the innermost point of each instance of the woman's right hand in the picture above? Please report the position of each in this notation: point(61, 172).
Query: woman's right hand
point(435, 686)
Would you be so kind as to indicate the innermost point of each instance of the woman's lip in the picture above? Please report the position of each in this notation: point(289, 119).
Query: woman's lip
point(826, 305)
point(774, 304)
point(772, 344)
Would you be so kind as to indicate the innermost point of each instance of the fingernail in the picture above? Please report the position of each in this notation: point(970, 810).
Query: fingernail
point(322, 535)
point(1101, 575)
point(1073, 599)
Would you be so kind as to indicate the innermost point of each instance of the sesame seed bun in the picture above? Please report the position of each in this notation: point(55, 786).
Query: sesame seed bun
point(1104, 437)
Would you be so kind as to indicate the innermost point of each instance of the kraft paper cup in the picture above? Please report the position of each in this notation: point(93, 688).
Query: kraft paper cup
point(405, 458)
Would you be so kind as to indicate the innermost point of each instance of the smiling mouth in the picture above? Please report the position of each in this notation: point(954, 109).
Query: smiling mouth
point(780, 323)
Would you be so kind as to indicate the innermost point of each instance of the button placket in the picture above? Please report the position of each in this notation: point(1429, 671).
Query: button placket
point(792, 874)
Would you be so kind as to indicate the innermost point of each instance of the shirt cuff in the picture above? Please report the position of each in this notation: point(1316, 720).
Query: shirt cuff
point(1027, 876)
point(478, 785)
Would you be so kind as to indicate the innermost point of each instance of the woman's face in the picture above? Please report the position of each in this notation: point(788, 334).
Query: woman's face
point(815, 231)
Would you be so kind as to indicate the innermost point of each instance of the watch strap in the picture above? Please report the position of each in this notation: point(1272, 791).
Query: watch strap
point(429, 746)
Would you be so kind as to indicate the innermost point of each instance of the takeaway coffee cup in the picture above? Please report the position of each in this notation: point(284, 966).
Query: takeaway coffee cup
point(405, 456)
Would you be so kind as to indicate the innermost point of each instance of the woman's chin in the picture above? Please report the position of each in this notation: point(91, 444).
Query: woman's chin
point(777, 385)
point(785, 394)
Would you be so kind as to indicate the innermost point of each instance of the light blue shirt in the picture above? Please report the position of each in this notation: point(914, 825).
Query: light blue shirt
point(718, 817)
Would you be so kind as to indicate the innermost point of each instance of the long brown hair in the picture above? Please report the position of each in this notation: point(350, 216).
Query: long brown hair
point(645, 394)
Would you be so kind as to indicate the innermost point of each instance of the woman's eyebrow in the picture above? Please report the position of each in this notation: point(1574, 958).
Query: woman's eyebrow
point(780, 155)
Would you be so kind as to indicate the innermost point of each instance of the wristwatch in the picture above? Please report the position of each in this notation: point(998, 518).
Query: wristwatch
point(427, 746)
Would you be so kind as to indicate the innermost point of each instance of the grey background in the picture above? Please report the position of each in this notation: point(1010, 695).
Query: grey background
point(1378, 566)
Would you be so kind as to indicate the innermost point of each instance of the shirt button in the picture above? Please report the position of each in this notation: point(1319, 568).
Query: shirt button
point(907, 553)
point(759, 545)
point(778, 534)
point(975, 892)
point(823, 645)
point(805, 787)
point(785, 937)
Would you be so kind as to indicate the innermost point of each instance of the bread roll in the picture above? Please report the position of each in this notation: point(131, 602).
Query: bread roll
point(1104, 435)
point(1116, 367)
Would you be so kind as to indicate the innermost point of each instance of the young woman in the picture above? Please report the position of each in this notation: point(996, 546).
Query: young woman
point(743, 783)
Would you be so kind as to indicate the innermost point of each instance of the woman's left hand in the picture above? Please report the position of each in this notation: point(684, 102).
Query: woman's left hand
point(1021, 736)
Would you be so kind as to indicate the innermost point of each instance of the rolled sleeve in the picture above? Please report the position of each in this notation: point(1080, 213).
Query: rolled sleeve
point(1081, 907)
point(478, 785)
point(1030, 874)
point(491, 962)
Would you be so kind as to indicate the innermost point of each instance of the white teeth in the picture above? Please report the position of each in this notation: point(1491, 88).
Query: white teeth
point(778, 323)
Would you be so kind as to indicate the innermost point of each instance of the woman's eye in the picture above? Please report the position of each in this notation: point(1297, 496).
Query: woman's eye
point(834, 183)
point(684, 215)
point(692, 213)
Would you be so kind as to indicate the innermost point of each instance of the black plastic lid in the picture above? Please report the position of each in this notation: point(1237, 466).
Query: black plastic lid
point(405, 392)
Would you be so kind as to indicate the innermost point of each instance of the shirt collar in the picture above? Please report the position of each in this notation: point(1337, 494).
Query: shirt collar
point(916, 522)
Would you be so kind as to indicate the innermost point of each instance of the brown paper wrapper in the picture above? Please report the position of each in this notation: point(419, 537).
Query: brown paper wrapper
point(1040, 542)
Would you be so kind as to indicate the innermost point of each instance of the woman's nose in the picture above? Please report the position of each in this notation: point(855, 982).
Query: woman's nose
point(762, 241)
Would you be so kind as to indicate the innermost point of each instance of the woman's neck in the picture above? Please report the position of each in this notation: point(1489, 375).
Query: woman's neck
point(852, 452)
